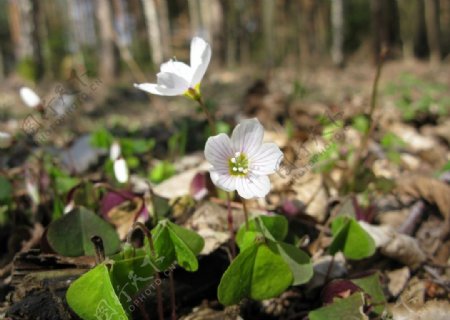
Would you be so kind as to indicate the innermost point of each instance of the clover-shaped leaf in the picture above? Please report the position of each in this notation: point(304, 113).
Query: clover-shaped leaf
point(257, 273)
point(71, 234)
point(176, 243)
point(130, 275)
point(350, 238)
point(372, 286)
point(298, 261)
point(93, 294)
point(348, 308)
point(274, 229)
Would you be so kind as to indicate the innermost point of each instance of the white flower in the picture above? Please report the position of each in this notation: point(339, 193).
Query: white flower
point(177, 78)
point(243, 162)
point(114, 151)
point(5, 140)
point(121, 170)
point(29, 97)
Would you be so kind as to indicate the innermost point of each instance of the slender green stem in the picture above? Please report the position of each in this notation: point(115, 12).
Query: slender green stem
point(362, 150)
point(172, 296)
point(230, 227)
point(244, 206)
point(212, 124)
point(148, 234)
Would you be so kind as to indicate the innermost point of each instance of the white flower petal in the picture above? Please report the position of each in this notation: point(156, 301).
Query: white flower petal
point(114, 151)
point(158, 89)
point(217, 151)
point(5, 140)
point(172, 81)
point(200, 57)
point(29, 97)
point(121, 170)
point(266, 159)
point(179, 68)
point(247, 136)
point(223, 181)
point(253, 186)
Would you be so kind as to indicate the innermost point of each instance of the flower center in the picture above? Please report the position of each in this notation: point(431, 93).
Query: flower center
point(238, 165)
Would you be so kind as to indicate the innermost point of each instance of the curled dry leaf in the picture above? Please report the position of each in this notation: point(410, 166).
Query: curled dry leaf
point(431, 190)
point(397, 246)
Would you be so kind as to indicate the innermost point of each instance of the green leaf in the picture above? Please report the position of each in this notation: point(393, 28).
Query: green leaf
point(249, 238)
point(101, 138)
point(176, 243)
point(298, 261)
point(129, 276)
point(92, 296)
point(71, 234)
point(272, 227)
point(162, 171)
point(348, 308)
point(372, 286)
point(257, 273)
point(348, 237)
point(361, 123)
point(5, 190)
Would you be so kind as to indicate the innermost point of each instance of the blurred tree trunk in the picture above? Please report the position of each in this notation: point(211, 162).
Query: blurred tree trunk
point(337, 26)
point(230, 34)
point(433, 30)
point(444, 5)
point(268, 30)
point(108, 55)
point(154, 32)
point(163, 14)
point(385, 29)
point(24, 26)
point(411, 21)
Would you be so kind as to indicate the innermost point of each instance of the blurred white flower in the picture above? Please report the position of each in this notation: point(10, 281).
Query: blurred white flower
point(32, 187)
point(5, 140)
point(29, 97)
point(177, 78)
point(115, 151)
point(243, 162)
point(121, 170)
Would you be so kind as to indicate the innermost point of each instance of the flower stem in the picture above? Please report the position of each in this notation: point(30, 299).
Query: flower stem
point(172, 296)
point(159, 298)
point(363, 149)
point(212, 124)
point(230, 227)
point(244, 206)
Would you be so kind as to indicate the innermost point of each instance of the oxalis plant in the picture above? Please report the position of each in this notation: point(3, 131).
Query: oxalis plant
point(267, 263)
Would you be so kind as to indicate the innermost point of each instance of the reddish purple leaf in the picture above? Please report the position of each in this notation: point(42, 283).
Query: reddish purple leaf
point(338, 289)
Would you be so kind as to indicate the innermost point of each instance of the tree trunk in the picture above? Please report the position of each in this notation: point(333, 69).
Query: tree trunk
point(410, 17)
point(154, 32)
point(163, 14)
point(268, 30)
point(24, 25)
point(433, 30)
point(337, 26)
point(108, 58)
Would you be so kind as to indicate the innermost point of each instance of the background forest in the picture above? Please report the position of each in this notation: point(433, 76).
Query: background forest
point(99, 179)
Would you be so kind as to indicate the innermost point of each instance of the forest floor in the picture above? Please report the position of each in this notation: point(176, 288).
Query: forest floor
point(401, 190)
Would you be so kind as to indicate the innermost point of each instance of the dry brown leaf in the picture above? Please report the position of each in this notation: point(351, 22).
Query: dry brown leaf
point(392, 244)
point(122, 216)
point(431, 190)
point(435, 310)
